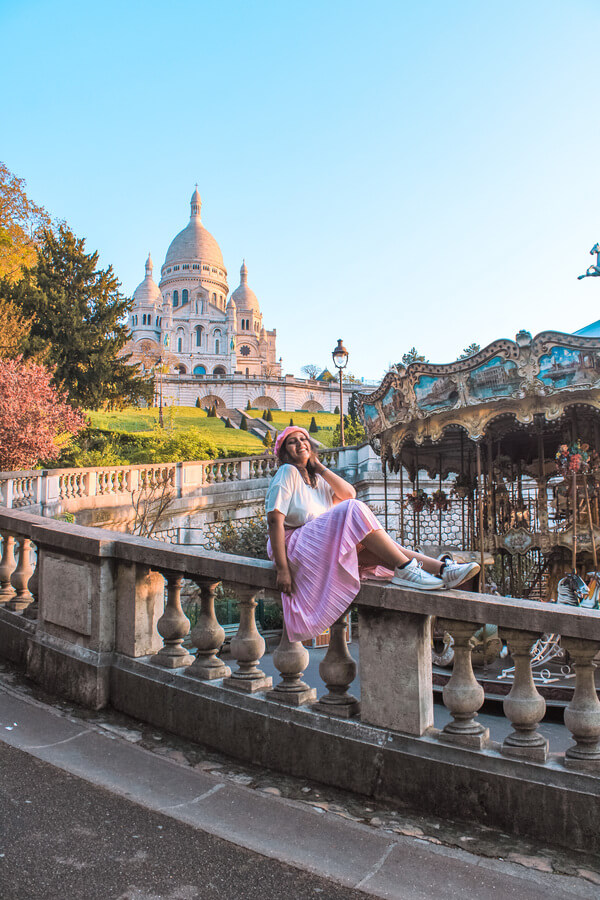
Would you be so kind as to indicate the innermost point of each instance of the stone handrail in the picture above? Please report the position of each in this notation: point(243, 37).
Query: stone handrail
point(91, 620)
point(51, 491)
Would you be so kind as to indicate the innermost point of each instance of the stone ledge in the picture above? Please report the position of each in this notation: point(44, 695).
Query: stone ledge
point(541, 801)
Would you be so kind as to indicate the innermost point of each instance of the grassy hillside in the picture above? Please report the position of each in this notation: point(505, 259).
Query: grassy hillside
point(177, 419)
point(325, 421)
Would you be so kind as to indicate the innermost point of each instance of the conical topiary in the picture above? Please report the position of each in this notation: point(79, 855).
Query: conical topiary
point(268, 440)
point(244, 424)
point(313, 427)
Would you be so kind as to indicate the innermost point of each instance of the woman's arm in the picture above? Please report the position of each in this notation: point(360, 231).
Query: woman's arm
point(341, 489)
point(275, 520)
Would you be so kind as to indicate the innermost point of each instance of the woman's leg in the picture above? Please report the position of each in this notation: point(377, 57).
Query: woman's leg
point(390, 554)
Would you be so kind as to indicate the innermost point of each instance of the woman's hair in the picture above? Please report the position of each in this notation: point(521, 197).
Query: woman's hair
point(283, 457)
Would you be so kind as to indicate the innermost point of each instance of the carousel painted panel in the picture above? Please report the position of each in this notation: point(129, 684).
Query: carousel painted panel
point(496, 378)
point(564, 367)
point(433, 394)
point(392, 406)
point(373, 419)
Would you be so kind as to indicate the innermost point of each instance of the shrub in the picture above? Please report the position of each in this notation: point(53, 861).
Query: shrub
point(268, 440)
point(244, 424)
point(198, 404)
point(313, 427)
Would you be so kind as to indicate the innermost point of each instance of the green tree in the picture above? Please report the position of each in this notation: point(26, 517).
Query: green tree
point(248, 405)
point(268, 440)
point(412, 356)
point(313, 427)
point(268, 416)
point(198, 404)
point(244, 424)
point(470, 350)
point(354, 432)
point(291, 421)
point(336, 411)
point(79, 326)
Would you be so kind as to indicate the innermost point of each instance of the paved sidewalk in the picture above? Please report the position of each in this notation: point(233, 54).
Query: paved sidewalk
point(347, 859)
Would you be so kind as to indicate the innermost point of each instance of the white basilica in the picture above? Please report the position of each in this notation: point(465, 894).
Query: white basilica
point(188, 319)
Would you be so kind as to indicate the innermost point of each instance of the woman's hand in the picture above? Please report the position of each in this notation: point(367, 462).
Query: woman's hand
point(317, 464)
point(284, 580)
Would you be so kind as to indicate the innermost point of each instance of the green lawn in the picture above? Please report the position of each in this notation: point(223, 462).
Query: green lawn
point(182, 418)
point(325, 421)
point(179, 418)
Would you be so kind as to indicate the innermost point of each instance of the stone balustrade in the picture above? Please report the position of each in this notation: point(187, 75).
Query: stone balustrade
point(109, 628)
point(53, 491)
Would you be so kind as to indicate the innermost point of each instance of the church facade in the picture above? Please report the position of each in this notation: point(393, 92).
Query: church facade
point(189, 320)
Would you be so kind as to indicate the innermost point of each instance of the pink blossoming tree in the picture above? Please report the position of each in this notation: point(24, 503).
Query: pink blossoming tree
point(35, 418)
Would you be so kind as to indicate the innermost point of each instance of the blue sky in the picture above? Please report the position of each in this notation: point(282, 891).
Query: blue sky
point(395, 174)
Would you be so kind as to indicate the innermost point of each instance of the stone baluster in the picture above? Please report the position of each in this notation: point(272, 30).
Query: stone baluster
point(173, 626)
point(582, 715)
point(7, 567)
point(338, 671)
point(524, 706)
point(207, 637)
point(463, 695)
point(248, 647)
point(33, 585)
point(291, 659)
point(20, 577)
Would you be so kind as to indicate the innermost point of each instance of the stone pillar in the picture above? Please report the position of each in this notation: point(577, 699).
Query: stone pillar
point(21, 576)
point(207, 637)
point(7, 567)
point(395, 670)
point(291, 659)
point(524, 706)
point(33, 585)
point(338, 671)
point(582, 715)
point(173, 626)
point(248, 647)
point(463, 696)
point(140, 604)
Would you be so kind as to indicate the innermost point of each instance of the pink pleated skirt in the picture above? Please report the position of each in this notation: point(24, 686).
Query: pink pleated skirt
point(323, 558)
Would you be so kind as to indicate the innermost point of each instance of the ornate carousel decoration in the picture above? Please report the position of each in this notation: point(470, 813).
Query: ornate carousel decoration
point(511, 434)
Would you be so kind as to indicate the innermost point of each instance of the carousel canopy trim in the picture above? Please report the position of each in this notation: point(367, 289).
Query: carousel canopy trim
point(525, 378)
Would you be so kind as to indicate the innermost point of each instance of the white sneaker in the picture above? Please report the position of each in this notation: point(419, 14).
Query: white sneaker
point(413, 576)
point(455, 574)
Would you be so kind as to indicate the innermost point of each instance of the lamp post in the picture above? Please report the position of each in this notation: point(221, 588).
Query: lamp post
point(340, 361)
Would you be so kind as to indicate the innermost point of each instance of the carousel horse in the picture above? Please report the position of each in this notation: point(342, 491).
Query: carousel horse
point(572, 590)
point(592, 600)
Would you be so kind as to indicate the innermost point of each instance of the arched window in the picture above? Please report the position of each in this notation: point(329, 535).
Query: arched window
point(184, 296)
point(219, 370)
point(198, 335)
point(175, 298)
point(215, 299)
point(157, 321)
point(199, 371)
point(179, 345)
point(217, 337)
point(217, 346)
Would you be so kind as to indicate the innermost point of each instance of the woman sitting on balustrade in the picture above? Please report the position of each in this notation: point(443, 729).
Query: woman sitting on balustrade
point(322, 539)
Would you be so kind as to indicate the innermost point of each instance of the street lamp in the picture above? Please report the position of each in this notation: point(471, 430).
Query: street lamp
point(340, 361)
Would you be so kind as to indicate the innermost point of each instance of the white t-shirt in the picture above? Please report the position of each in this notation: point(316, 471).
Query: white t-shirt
point(289, 494)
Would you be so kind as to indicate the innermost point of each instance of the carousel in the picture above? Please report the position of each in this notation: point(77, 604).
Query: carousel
point(507, 441)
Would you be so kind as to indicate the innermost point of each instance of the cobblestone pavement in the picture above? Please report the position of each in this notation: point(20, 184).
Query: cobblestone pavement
point(383, 819)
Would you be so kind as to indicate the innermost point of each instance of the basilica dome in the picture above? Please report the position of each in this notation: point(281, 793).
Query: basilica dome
point(148, 291)
point(244, 297)
point(194, 242)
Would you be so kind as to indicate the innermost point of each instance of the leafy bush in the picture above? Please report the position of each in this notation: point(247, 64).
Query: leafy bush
point(97, 447)
point(245, 540)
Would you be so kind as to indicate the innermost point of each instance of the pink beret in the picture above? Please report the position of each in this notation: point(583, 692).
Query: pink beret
point(286, 433)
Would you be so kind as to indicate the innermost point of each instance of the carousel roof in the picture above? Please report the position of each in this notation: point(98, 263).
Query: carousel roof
point(508, 388)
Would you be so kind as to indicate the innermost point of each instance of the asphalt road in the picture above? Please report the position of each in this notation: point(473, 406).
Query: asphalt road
point(61, 837)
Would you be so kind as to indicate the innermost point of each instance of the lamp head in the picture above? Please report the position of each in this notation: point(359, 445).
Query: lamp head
point(340, 355)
